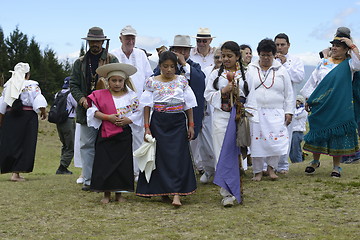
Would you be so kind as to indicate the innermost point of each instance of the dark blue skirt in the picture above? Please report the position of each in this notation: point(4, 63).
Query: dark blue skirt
point(174, 173)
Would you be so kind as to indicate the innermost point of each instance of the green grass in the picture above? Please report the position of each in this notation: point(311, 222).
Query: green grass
point(296, 206)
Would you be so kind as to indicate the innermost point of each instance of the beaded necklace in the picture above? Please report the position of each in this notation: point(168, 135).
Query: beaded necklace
point(265, 77)
point(93, 77)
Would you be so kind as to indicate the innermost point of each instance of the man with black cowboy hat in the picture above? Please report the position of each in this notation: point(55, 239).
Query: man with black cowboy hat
point(203, 53)
point(84, 80)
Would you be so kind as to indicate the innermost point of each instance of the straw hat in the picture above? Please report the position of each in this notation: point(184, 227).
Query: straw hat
point(203, 33)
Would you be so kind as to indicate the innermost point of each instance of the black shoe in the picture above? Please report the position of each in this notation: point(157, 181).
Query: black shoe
point(311, 168)
point(85, 187)
point(63, 170)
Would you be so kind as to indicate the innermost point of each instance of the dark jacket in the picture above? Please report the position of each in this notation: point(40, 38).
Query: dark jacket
point(78, 83)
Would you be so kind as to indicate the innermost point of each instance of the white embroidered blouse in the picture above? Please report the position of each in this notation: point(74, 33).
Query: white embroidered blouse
point(174, 92)
point(30, 96)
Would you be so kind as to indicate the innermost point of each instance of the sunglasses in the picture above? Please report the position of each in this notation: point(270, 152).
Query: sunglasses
point(217, 57)
point(201, 40)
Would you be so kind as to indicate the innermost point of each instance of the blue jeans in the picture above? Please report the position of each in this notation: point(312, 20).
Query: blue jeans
point(295, 150)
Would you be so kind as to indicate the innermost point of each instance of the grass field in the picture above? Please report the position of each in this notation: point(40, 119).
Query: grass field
point(296, 206)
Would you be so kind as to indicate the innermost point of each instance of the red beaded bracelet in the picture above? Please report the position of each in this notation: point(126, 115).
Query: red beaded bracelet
point(147, 125)
point(352, 46)
point(191, 124)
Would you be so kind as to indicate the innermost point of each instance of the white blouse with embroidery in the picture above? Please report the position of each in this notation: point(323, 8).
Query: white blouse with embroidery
point(175, 91)
point(30, 96)
point(126, 106)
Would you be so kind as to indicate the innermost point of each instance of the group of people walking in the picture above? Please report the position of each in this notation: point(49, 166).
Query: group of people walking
point(205, 108)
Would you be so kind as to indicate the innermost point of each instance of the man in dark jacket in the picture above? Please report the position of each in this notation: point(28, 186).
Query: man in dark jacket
point(84, 80)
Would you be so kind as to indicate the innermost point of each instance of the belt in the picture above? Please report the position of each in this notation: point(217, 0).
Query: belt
point(26, 108)
point(169, 108)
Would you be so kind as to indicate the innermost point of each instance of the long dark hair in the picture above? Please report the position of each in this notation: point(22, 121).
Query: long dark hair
point(235, 48)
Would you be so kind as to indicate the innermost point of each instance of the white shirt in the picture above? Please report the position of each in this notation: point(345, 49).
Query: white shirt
point(299, 120)
point(204, 62)
point(276, 92)
point(322, 69)
point(139, 60)
point(295, 68)
point(30, 96)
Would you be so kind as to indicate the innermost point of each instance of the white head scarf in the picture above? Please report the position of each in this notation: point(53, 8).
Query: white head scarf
point(13, 86)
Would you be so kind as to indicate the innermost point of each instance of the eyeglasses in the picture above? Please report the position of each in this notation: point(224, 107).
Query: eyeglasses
point(201, 40)
point(266, 55)
point(217, 57)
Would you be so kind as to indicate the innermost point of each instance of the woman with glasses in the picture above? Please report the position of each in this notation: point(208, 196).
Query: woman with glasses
point(275, 103)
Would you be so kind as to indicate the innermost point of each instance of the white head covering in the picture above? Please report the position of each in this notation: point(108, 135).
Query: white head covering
point(13, 86)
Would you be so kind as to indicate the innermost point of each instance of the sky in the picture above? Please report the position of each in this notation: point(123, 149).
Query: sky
point(60, 25)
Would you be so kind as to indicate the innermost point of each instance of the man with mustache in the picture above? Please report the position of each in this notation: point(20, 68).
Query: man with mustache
point(84, 80)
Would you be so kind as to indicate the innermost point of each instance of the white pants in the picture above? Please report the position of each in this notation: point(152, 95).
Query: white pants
point(258, 163)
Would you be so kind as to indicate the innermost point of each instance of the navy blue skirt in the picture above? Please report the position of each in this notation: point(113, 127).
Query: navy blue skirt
point(174, 173)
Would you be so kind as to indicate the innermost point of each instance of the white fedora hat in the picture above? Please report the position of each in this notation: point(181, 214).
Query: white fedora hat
point(182, 41)
point(203, 33)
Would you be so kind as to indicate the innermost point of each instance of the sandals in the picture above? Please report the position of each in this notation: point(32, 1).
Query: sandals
point(336, 172)
point(313, 165)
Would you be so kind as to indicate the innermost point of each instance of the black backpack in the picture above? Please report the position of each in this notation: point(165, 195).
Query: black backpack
point(58, 112)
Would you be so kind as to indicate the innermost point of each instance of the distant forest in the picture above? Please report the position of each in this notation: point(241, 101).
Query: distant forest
point(45, 67)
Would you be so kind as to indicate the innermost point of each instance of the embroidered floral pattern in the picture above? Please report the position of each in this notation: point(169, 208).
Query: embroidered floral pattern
point(166, 88)
point(133, 107)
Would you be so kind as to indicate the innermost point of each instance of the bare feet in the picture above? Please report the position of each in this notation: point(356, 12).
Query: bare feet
point(15, 177)
point(119, 198)
point(272, 174)
point(176, 201)
point(106, 198)
point(257, 177)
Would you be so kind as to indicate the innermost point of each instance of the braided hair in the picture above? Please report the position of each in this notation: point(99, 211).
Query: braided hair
point(234, 47)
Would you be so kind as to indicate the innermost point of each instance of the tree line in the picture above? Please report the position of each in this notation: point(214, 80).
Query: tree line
point(45, 67)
